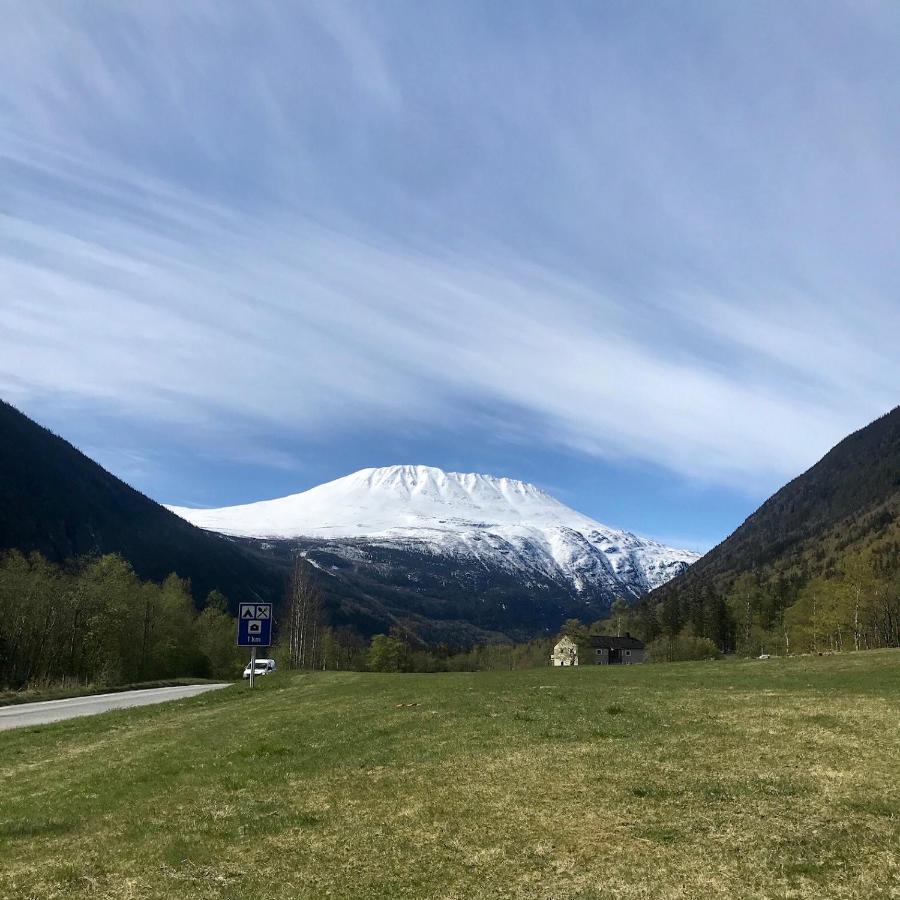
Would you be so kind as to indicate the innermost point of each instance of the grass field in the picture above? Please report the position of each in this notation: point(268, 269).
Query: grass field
point(767, 779)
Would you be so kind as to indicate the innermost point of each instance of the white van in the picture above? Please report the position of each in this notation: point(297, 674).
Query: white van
point(263, 667)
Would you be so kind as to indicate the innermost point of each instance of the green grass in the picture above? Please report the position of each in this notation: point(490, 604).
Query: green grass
point(762, 779)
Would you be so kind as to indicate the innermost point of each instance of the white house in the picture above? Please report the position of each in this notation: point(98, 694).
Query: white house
point(565, 653)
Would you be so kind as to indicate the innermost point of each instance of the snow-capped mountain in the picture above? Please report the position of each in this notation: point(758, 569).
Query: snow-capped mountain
point(480, 522)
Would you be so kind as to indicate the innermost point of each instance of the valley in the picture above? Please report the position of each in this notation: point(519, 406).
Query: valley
point(449, 451)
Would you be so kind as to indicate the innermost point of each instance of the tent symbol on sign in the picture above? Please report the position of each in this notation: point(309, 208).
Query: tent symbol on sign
point(254, 624)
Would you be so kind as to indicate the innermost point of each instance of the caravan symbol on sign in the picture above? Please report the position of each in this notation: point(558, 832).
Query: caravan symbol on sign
point(254, 625)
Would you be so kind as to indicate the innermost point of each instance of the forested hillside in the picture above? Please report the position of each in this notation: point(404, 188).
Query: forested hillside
point(55, 500)
point(816, 567)
point(94, 621)
point(373, 588)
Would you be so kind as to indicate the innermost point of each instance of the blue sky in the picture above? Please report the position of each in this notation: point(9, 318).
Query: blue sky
point(646, 255)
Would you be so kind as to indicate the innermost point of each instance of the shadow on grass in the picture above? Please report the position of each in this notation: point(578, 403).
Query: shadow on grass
point(30, 829)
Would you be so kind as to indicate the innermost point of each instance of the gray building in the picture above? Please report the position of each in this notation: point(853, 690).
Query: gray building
point(612, 651)
point(598, 650)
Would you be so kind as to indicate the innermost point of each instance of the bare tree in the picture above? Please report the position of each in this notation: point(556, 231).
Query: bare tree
point(306, 612)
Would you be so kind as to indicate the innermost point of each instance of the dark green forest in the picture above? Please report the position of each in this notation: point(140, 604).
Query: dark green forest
point(93, 621)
point(853, 604)
point(57, 501)
point(815, 568)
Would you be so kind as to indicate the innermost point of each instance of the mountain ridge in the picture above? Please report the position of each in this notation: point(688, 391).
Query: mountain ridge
point(408, 482)
point(858, 477)
point(490, 520)
point(56, 500)
point(820, 559)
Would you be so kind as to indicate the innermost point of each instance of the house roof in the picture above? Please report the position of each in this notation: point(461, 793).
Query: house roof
point(608, 642)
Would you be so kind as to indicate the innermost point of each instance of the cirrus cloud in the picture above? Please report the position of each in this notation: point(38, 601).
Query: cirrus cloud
point(628, 236)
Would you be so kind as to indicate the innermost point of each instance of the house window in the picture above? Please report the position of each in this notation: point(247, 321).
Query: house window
point(628, 653)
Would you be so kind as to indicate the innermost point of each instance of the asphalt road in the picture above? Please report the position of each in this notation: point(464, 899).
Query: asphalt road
point(55, 710)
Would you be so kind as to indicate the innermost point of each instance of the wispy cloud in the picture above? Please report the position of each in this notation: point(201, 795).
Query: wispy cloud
point(633, 243)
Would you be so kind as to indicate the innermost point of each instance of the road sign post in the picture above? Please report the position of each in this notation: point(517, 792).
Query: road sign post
point(254, 630)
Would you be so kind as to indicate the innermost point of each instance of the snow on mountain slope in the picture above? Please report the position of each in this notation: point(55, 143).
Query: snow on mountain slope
point(498, 522)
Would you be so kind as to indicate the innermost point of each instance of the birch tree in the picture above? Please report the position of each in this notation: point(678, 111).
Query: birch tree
point(306, 612)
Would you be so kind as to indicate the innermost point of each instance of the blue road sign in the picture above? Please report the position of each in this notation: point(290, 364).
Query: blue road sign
point(254, 625)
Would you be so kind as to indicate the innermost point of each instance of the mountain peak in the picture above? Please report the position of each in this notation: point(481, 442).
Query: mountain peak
point(377, 500)
point(498, 521)
point(430, 479)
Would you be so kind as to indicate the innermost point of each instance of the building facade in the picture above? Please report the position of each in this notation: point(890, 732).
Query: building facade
point(598, 650)
point(565, 653)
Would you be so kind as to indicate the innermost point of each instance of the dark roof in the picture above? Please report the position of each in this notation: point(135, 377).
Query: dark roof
point(607, 642)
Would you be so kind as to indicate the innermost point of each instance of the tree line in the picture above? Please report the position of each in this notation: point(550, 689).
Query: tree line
point(92, 620)
point(345, 649)
point(853, 604)
point(856, 606)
